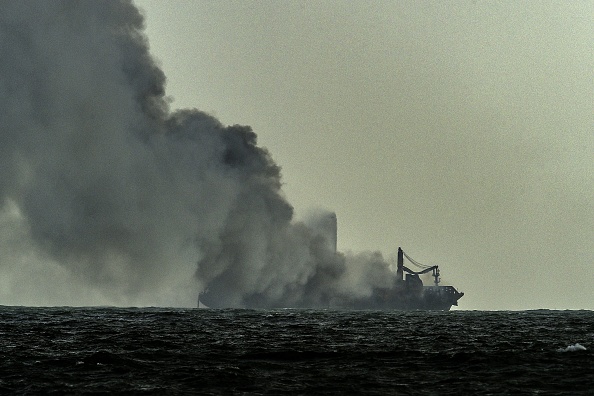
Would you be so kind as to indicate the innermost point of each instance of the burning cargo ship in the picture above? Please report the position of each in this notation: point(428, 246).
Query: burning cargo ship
point(409, 293)
point(400, 290)
point(406, 293)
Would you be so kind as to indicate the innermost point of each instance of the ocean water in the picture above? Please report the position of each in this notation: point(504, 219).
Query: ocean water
point(203, 351)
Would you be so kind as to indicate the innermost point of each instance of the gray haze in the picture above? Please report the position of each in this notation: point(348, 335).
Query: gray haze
point(460, 130)
point(110, 198)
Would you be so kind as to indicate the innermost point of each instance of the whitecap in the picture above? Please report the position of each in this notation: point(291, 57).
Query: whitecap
point(573, 348)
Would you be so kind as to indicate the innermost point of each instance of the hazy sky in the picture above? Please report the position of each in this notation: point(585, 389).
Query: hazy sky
point(462, 131)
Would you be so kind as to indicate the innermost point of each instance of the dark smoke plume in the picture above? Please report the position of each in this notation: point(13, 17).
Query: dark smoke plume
point(145, 205)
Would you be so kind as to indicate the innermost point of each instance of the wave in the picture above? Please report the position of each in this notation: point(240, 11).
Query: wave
point(572, 348)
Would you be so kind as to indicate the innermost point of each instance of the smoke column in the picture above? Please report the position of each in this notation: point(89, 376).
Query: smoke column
point(107, 188)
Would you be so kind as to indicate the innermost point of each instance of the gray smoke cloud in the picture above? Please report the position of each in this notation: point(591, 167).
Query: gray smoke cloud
point(110, 198)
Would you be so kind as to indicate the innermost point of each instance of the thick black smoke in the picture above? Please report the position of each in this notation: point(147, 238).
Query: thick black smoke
point(135, 200)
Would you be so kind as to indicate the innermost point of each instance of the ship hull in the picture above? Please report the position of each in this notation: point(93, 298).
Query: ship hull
point(427, 298)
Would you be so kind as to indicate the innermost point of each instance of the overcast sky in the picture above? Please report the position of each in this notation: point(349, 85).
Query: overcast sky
point(462, 131)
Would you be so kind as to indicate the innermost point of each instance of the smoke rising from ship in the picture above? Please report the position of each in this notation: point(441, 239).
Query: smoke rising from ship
point(103, 186)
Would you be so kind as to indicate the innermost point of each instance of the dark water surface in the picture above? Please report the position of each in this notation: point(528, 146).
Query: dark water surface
point(185, 351)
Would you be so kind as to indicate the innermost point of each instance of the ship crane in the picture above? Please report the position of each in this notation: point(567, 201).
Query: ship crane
point(424, 268)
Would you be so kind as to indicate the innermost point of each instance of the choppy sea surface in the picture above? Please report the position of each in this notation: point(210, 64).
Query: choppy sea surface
point(204, 351)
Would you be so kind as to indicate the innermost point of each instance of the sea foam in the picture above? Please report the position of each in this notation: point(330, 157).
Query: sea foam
point(573, 348)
